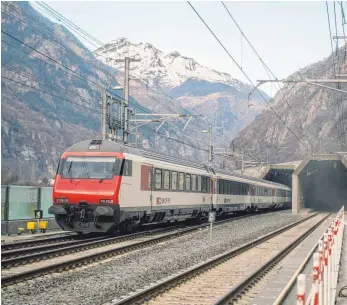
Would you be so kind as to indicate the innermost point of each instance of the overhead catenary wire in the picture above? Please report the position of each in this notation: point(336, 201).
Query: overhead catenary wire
point(95, 65)
point(48, 57)
point(46, 92)
point(44, 6)
point(57, 16)
point(45, 83)
point(331, 37)
point(134, 105)
point(266, 67)
point(90, 109)
point(70, 51)
point(96, 86)
point(245, 74)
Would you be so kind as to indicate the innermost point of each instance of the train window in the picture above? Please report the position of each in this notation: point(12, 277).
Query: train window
point(188, 182)
point(199, 183)
point(235, 190)
point(203, 184)
point(60, 160)
point(193, 183)
point(229, 188)
point(221, 186)
point(166, 180)
point(127, 169)
point(181, 182)
point(157, 179)
point(174, 181)
point(226, 187)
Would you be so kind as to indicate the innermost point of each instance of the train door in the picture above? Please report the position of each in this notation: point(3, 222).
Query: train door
point(147, 186)
point(252, 194)
point(214, 184)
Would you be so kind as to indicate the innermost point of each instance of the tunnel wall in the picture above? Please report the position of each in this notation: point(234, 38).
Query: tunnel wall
point(282, 176)
point(324, 185)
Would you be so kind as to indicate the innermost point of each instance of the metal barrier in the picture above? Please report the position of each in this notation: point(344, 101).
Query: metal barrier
point(20, 202)
point(326, 264)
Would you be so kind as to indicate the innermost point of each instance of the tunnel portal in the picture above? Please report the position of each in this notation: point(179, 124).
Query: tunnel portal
point(324, 185)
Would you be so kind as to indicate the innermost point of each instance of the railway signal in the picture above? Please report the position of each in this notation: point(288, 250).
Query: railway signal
point(38, 216)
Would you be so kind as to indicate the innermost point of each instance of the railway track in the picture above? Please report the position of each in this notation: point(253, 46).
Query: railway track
point(24, 255)
point(41, 241)
point(58, 259)
point(230, 278)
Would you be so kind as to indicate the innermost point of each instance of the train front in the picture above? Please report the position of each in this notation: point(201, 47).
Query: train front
point(86, 188)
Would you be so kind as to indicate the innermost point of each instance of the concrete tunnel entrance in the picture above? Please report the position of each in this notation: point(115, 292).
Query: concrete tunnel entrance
point(320, 183)
point(324, 185)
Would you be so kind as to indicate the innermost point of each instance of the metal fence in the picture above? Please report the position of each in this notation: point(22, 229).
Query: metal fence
point(20, 202)
point(326, 265)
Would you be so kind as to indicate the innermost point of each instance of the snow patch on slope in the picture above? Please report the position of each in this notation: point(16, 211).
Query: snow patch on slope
point(159, 69)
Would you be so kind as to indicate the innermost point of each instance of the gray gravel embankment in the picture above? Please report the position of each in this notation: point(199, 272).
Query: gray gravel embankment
point(103, 282)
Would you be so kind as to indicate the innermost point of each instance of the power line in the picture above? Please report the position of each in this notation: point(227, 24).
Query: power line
point(66, 49)
point(266, 67)
point(46, 84)
point(73, 27)
point(244, 73)
point(83, 78)
point(43, 91)
point(57, 16)
point(30, 55)
point(331, 38)
point(93, 110)
point(96, 66)
point(52, 59)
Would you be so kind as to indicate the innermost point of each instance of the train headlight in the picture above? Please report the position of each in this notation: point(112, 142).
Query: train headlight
point(61, 200)
point(106, 201)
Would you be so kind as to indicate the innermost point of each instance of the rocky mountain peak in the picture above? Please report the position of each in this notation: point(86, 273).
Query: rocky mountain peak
point(165, 70)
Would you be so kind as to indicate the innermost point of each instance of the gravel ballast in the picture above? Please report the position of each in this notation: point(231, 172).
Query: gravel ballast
point(120, 276)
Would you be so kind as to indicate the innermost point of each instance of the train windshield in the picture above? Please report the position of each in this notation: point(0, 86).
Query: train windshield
point(90, 167)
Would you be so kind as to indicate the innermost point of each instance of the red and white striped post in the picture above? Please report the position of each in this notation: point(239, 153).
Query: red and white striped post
point(321, 266)
point(315, 279)
point(329, 265)
point(325, 276)
point(336, 250)
point(301, 289)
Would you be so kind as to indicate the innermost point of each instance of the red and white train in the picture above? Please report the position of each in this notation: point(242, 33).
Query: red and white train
point(105, 186)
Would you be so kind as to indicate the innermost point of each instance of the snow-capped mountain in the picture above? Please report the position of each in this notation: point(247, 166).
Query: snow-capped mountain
point(217, 95)
point(159, 69)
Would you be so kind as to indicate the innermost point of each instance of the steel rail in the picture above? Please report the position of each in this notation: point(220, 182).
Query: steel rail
point(58, 249)
point(33, 254)
point(148, 293)
point(76, 262)
point(29, 250)
point(41, 241)
point(238, 291)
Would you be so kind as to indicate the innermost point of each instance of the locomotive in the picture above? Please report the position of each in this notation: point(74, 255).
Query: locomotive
point(105, 186)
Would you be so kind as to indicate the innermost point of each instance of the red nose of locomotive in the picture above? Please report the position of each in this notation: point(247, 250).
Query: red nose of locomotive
point(86, 188)
point(91, 191)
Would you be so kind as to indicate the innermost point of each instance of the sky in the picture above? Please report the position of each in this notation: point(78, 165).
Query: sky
point(287, 35)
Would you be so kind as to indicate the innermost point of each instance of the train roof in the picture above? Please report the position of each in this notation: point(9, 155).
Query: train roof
point(111, 146)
